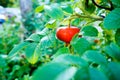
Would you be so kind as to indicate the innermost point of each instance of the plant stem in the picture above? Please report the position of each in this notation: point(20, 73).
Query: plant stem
point(88, 16)
point(67, 44)
point(69, 24)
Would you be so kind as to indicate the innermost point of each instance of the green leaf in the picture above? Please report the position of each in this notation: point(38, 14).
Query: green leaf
point(64, 50)
point(51, 24)
point(116, 2)
point(82, 74)
point(44, 32)
point(54, 71)
point(31, 54)
point(80, 45)
point(117, 37)
point(47, 43)
point(86, 6)
point(89, 31)
point(113, 50)
point(115, 69)
point(112, 20)
point(17, 48)
point(16, 67)
point(2, 62)
point(95, 57)
point(48, 40)
point(105, 70)
point(39, 9)
point(67, 9)
point(27, 77)
point(76, 22)
point(34, 37)
point(97, 75)
point(90, 8)
point(90, 74)
point(71, 60)
point(54, 12)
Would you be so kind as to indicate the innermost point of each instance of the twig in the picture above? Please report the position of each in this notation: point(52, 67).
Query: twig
point(111, 8)
point(88, 16)
point(111, 4)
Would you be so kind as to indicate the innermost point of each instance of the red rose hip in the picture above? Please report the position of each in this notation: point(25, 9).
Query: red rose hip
point(66, 33)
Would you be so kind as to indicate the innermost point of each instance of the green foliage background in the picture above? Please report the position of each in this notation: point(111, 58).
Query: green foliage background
point(41, 56)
